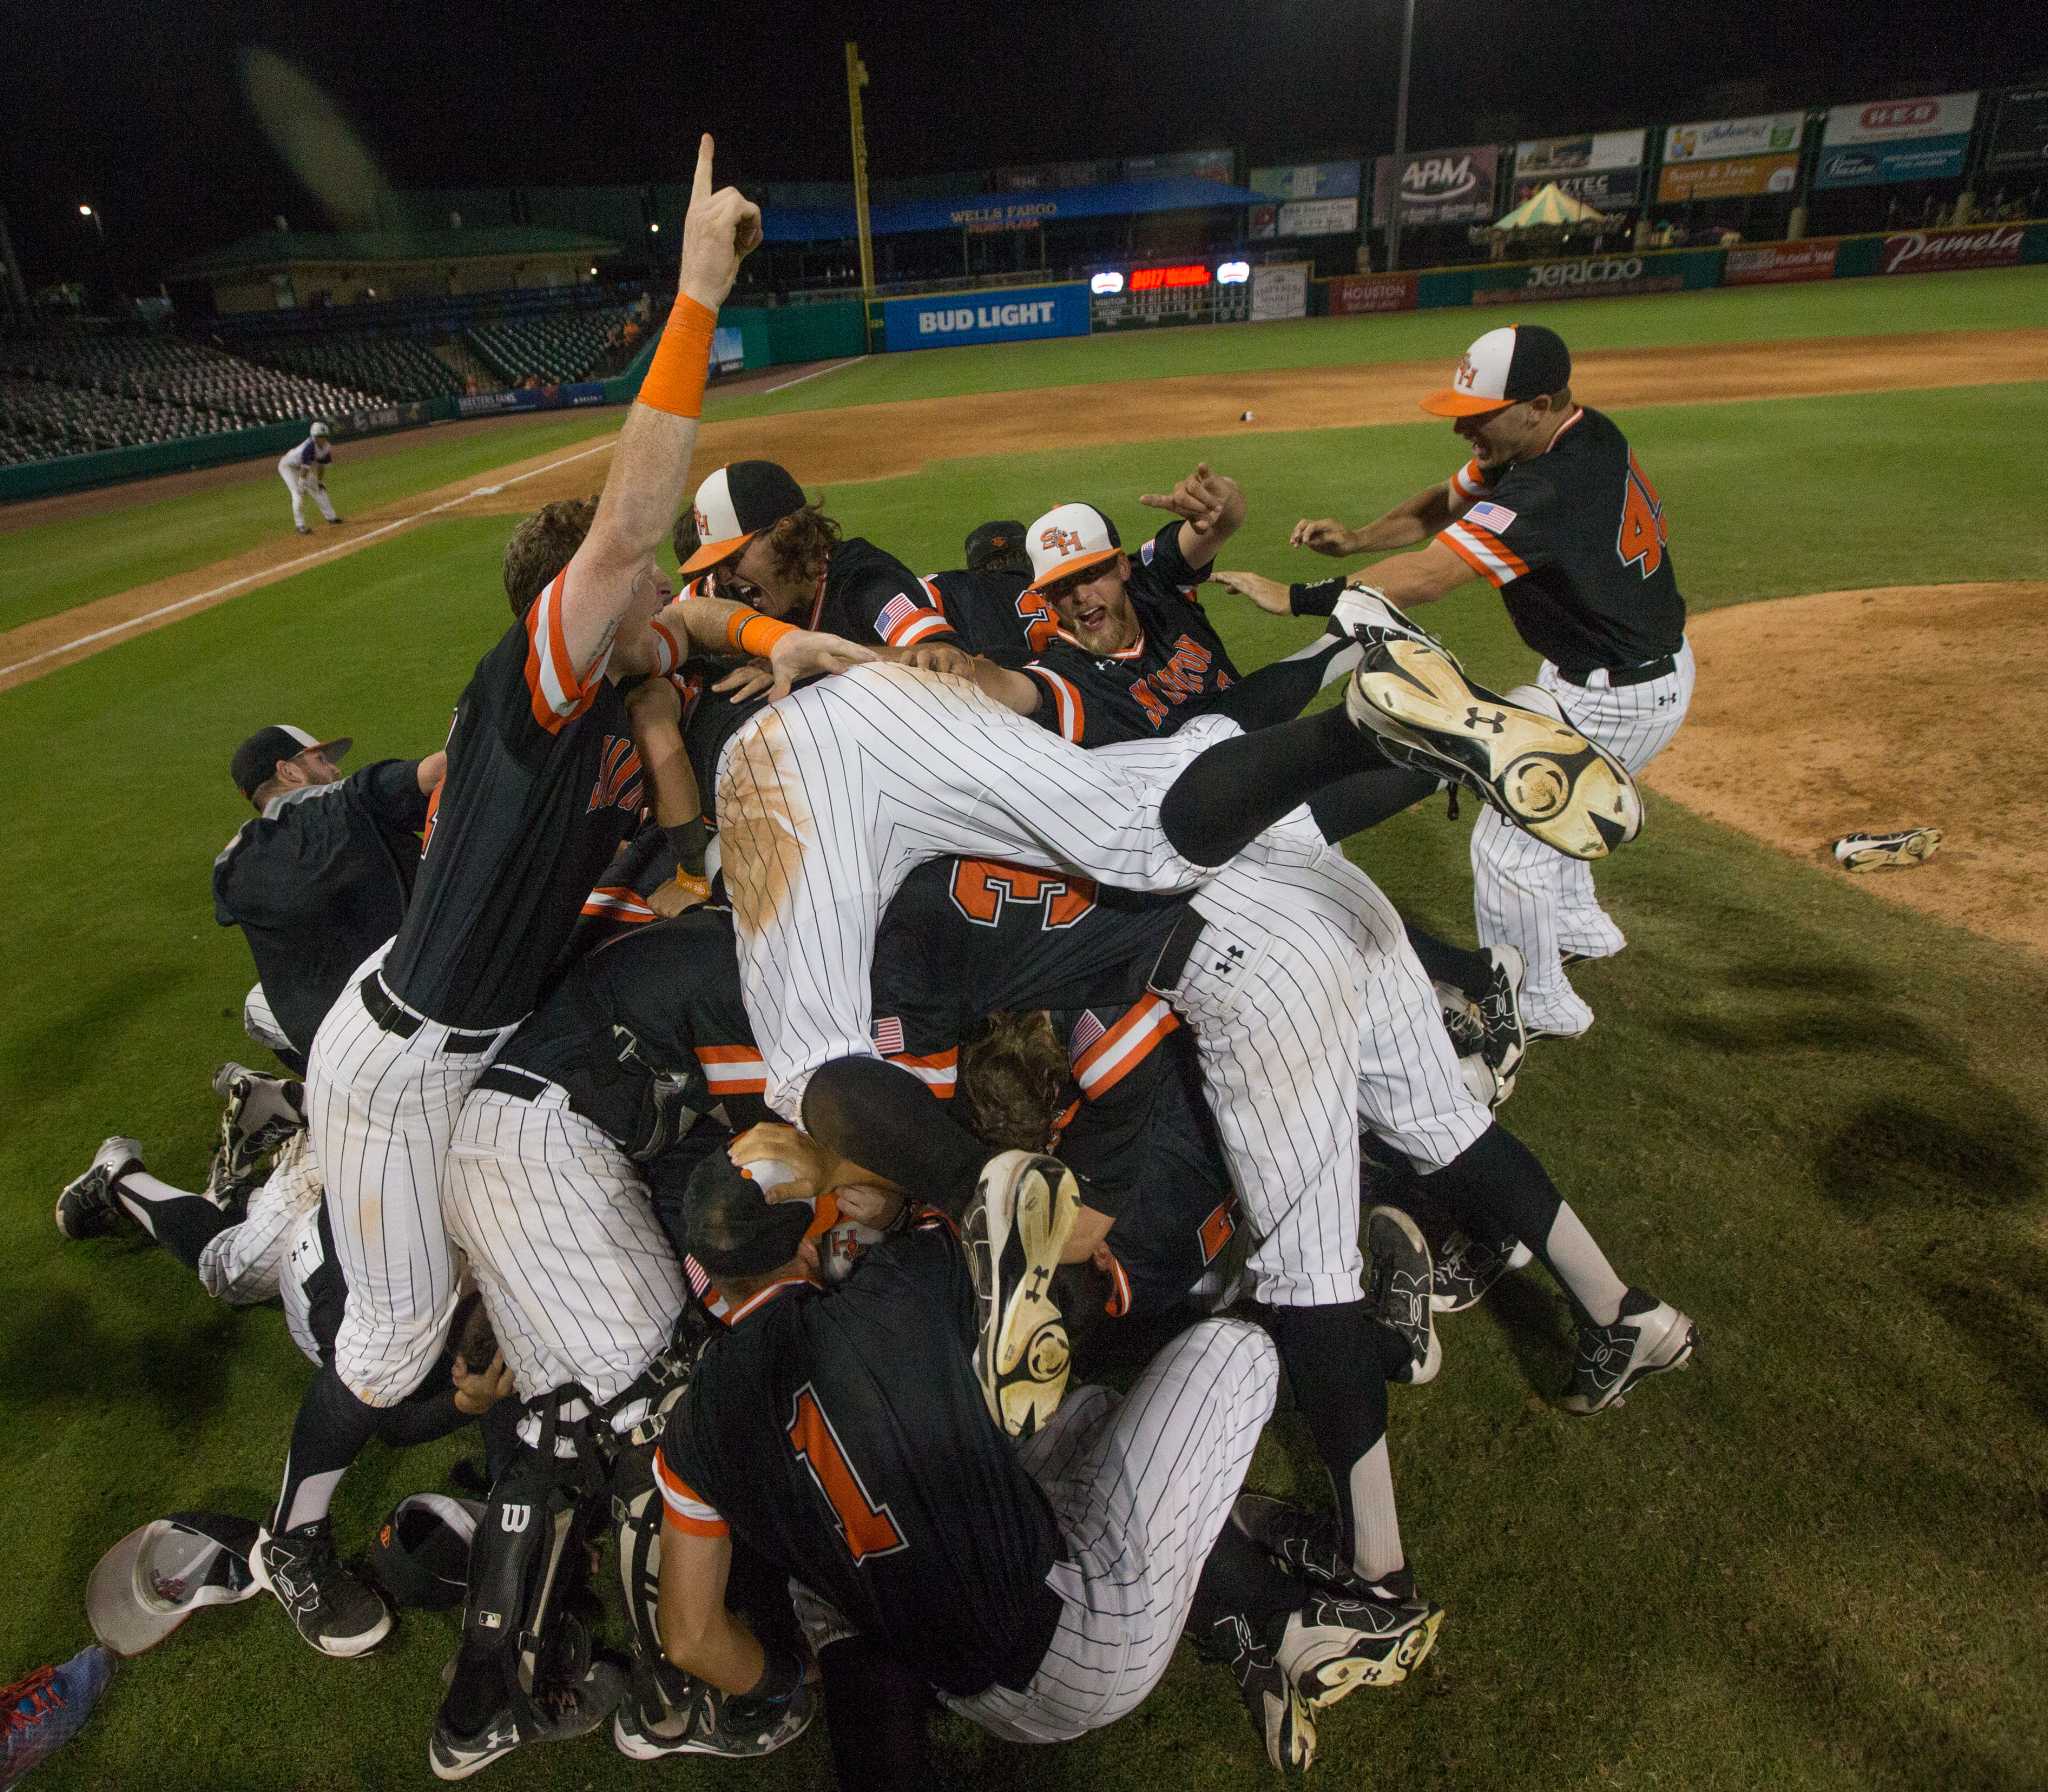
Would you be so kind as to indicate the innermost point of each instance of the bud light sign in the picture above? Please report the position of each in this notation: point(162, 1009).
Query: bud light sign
point(947, 320)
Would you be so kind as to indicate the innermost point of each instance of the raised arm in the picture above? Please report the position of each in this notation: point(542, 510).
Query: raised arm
point(1211, 509)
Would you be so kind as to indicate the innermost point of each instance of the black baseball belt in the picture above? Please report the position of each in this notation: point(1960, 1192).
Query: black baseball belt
point(401, 1023)
point(1617, 676)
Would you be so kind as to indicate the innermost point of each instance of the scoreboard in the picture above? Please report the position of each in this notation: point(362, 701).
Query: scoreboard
point(1193, 292)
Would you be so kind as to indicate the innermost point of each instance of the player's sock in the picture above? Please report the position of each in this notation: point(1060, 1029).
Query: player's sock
point(1397, 1358)
point(1240, 1578)
point(1471, 973)
point(1234, 791)
point(331, 1429)
point(880, 1116)
point(1332, 1359)
point(877, 1715)
point(1499, 1179)
point(183, 1224)
point(1365, 799)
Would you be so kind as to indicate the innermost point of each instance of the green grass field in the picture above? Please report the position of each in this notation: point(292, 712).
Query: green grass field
point(1810, 1117)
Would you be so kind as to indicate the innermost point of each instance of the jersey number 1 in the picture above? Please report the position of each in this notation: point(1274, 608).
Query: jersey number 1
point(868, 1529)
point(1641, 538)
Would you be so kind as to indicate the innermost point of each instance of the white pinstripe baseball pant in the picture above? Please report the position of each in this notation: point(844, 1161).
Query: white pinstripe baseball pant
point(581, 1283)
point(1307, 999)
point(1526, 895)
point(1140, 1486)
point(382, 1110)
point(242, 1263)
point(259, 1020)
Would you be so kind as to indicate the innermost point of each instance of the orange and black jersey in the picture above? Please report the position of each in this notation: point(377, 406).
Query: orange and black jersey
point(994, 614)
point(1178, 667)
point(543, 783)
point(966, 938)
point(843, 1436)
point(869, 595)
point(318, 882)
point(1138, 1126)
point(1575, 540)
point(645, 1027)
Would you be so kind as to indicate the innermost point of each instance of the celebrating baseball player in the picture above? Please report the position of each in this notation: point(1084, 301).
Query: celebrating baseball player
point(304, 472)
point(1555, 512)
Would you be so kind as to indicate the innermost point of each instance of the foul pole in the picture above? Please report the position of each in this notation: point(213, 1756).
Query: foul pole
point(856, 79)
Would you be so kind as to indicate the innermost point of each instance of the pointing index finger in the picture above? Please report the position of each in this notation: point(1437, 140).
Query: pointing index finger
point(702, 187)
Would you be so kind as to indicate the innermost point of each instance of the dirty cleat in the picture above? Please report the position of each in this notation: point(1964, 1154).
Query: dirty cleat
point(44, 1710)
point(1309, 1545)
point(1872, 852)
point(261, 1113)
point(87, 1207)
point(1278, 1710)
point(710, 1722)
point(1466, 1267)
point(1648, 1338)
point(333, 1609)
point(1516, 752)
point(1332, 1647)
point(1502, 1038)
point(1014, 1229)
point(573, 1710)
point(1397, 1288)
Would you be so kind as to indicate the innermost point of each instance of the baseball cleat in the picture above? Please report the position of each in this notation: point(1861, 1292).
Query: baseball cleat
point(1467, 1267)
point(566, 1711)
point(1023, 1209)
point(261, 1113)
point(42, 1711)
point(332, 1609)
point(711, 1723)
point(87, 1207)
point(1309, 1545)
point(1869, 852)
point(1279, 1712)
point(1502, 1038)
point(1332, 1647)
point(1397, 1288)
point(1649, 1337)
point(304, 530)
point(1517, 753)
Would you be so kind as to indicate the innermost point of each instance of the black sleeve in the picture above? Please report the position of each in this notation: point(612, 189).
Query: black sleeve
point(1161, 565)
point(875, 596)
point(390, 790)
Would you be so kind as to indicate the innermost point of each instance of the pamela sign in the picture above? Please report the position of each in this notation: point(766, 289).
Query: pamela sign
point(944, 320)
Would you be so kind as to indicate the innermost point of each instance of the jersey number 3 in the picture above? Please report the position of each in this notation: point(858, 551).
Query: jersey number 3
point(1641, 538)
point(868, 1529)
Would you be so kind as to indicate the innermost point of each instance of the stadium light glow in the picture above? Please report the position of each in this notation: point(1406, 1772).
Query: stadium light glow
point(1106, 283)
point(1233, 273)
point(85, 211)
point(654, 230)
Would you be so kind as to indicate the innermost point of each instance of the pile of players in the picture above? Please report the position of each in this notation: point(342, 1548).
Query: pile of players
point(816, 1012)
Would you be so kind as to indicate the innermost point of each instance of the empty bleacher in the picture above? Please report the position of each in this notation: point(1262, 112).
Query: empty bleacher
point(400, 367)
point(553, 347)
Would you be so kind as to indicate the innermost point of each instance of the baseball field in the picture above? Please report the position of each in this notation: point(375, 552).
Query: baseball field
point(1811, 1113)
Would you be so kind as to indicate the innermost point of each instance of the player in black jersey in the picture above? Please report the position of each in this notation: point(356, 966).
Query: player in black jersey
point(1555, 512)
point(989, 600)
point(321, 877)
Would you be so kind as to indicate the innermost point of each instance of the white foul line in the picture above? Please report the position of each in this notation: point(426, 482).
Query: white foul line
point(815, 373)
point(271, 574)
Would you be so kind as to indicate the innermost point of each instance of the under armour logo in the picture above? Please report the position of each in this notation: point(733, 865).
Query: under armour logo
point(1497, 721)
point(1037, 1278)
point(1232, 960)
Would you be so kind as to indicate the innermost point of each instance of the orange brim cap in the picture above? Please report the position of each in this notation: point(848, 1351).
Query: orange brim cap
point(716, 553)
point(1448, 403)
point(1069, 568)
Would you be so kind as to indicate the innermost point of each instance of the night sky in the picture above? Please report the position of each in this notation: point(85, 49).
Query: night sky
point(140, 109)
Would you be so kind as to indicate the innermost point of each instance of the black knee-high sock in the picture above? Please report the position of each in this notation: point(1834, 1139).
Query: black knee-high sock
point(877, 1714)
point(878, 1115)
point(1237, 789)
point(1332, 1359)
point(1241, 1579)
point(1367, 798)
point(329, 1434)
point(1498, 1181)
point(1471, 973)
point(183, 1224)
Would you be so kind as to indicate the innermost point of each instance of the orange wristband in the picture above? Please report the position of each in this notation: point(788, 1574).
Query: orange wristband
point(762, 643)
point(675, 378)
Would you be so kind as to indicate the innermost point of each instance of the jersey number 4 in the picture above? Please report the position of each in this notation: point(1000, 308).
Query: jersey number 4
point(1641, 538)
point(868, 1529)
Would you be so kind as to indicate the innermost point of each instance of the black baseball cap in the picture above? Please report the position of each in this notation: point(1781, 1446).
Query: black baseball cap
point(732, 1227)
point(1504, 367)
point(735, 504)
point(994, 544)
point(255, 760)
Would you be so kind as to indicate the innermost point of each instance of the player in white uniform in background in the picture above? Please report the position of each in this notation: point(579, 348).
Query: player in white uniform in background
point(303, 470)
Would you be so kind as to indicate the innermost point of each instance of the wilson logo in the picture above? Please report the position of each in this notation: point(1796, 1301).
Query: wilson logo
point(514, 1519)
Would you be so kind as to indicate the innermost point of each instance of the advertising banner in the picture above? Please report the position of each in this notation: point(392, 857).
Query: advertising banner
point(1882, 164)
point(1716, 139)
point(1930, 251)
point(532, 398)
point(728, 351)
point(1438, 186)
point(1361, 295)
point(1895, 121)
point(1279, 289)
point(1588, 277)
point(1584, 154)
point(1302, 217)
point(1307, 180)
point(1737, 177)
point(946, 320)
point(1614, 190)
point(1195, 164)
point(2021, 140)
point(1773, 264)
